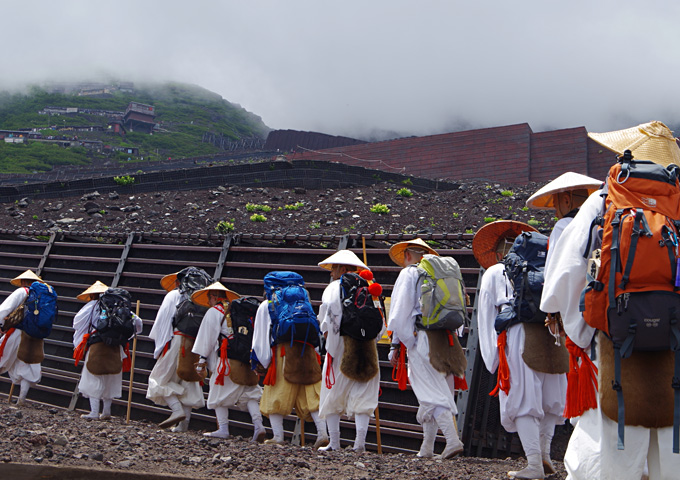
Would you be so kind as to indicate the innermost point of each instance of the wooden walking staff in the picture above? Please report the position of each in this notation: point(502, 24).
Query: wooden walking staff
point(132, 371)
point(11, 392)
point(377, 409)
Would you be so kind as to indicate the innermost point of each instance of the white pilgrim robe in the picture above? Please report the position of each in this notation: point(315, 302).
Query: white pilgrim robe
point(592, 453)
point(345, 396)
point(432, 388)
point(207, 345)
point(17, 370)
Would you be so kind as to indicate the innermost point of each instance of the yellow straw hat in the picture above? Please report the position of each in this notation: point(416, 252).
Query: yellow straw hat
point(168, 281)
point(27, 275)
point(543, 199)
point(397, 250)
point(94, 289)
point(343, 257)
point(486, 239)
point(648, 141)
point(200, 297)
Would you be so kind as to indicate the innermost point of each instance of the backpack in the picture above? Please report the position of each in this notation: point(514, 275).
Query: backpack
point(188, 316)
point(443, 298)
point(633, 297)
point(40, 310)
point(290, 310)
point(115, 324)
point(242, 313)
point(524, 267)
point(361, 319)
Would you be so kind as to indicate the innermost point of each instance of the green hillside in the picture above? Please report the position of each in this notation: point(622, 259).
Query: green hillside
point(184, 112)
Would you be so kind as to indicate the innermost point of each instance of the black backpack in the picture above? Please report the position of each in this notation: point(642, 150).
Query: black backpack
point(242, 313)
point(115, 324)
point(188, 316)
point(361, 319)
point(524, 267)
point(192, 279)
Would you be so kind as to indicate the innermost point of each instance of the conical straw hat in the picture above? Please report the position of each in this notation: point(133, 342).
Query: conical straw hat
point(543, 199)
point(168, 281)
point(397, 250)
point(200, 297)
point(648, 141)
point(95, 288)
point(486, 239)
point(27, 275)
point(343, 257)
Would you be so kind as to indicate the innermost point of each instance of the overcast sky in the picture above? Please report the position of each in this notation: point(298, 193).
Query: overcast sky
point(358, 67)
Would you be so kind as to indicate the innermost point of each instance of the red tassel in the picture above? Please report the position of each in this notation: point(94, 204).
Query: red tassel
point(127, 361)
point(223, 368)
point(270, 377)
point(450, 338)
point(400, 372)
point(460, 383)
point(330, 374)
point(4, 341)
point(503, 382)
point(78, 353)
point(581, 382)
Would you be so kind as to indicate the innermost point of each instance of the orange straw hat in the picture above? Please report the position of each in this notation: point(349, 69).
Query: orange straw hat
point(652, 141)
point(343, 257)
point(168, 281)
point(397, 250)
point(94, 289)
point(27, 275)
point(200, 297)
point(543, 199)
point(486, 239)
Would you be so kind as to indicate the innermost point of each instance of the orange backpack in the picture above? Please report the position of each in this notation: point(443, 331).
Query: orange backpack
point(634, 296)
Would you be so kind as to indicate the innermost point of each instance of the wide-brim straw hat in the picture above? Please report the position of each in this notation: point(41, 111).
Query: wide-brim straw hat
point(486, 239)
point(168, 281)
point(27, 275)
point(200, 297)
point(648, 141)
point(543, 198)
point(397, 250)
point(94, 289)
point(343, 257)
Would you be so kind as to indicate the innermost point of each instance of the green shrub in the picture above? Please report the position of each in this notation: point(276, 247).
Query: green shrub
point(533, 222)
point(455, 215)
point(524, 209)
point(315, 225)
point(405, 192)
point(407, 181)
point(124, 180)
point(296, 206)
point(224, 227)
point(469, 230)
point(507, 193)
point(489, 219)
point(253, 207)
point(256, 217)
point(380, 208)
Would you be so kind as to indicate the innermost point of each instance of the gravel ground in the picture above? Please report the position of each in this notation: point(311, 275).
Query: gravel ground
point(41, 435)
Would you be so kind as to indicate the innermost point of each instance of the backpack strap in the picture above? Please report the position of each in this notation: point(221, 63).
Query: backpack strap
point(615, 261)
point(640, 225)
point(675, 346)
point(670, 239)
point(616, 385)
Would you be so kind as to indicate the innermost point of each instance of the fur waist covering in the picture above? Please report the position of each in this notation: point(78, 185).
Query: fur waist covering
point(301, 367)
point(30, 349)
point(359, 360)
point(646, 382)
point(444, 357)
point(186, 361)
point(540, 352)
point(104, 359)
point(241, 374)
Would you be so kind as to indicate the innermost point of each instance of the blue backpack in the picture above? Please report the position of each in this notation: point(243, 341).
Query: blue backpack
point(40, 310)
point(290, 309)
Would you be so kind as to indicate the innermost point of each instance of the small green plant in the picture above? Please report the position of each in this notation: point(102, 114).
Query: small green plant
point(124, 180)
point(257, 217)
point(509, 207)
point(404, 192)
point(406, 181)
point(42, 238)
point(376, 177)
point(253, 207)
point(524, 209)
point(225, 227)
point(296, 206)
point(489, 219)
point(432, 243)
point(35, 217)
point(380, 208)
point(533, 222)
point(507, 193)
point(345, 230)
point(315, 225)
point(469, 230)
point(455, 215)
point(139, 172)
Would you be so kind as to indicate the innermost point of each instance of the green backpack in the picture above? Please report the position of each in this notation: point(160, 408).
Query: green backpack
point(443, 298)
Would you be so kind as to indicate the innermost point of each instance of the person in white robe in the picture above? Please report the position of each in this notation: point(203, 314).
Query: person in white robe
point(433, 389)
point(534, 404)
point(165, 387)
point(99, 389)
point(592, 453)
point(21, 373)
point(355, 399)
point(227, 395)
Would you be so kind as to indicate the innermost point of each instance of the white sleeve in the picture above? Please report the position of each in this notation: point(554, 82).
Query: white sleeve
point(208, 334)
point(261, 340)
point(404, 306)
point(565, 276)
point(83, 320)
point(494, 291)
point(15, 299)
point(139, 324)
point(161, 331)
